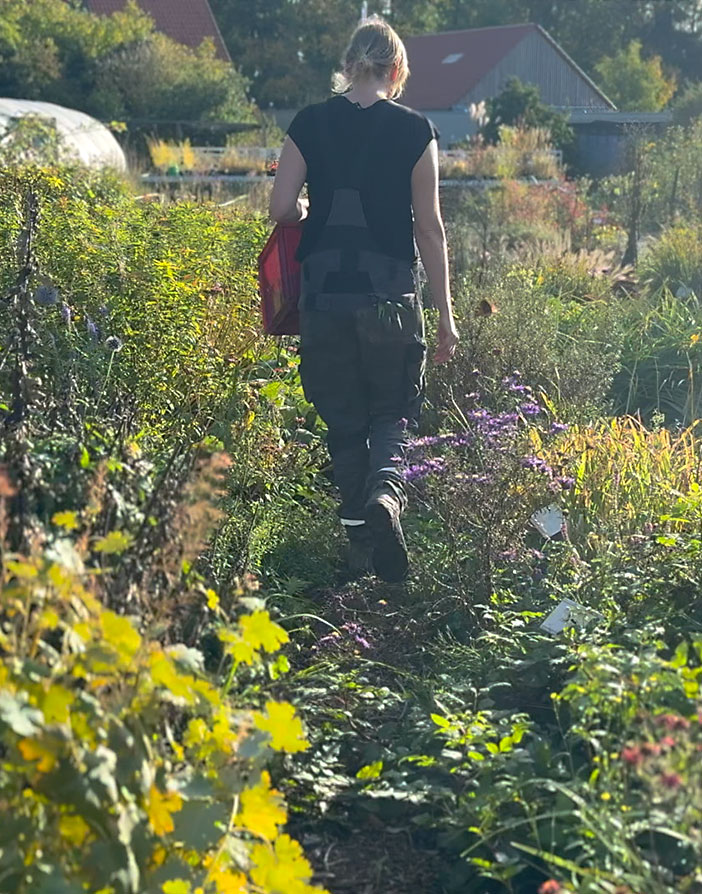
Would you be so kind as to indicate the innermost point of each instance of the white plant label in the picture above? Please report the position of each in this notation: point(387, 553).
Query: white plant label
point(566, 613)
point(548, 521)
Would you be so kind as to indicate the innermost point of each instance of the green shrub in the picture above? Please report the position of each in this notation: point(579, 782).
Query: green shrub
point(125, 769)
point(532, 320)
point(675, 261)
point(660, 359)
point(113, 66)
point(628, 479)
point(133, 331)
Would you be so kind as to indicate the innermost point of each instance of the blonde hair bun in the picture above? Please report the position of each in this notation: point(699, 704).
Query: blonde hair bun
point(374, 51)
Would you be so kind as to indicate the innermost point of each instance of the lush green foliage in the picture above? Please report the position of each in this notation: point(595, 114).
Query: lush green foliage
point(112, 66)
point(454, 745)
point(520, 104)
point(124, 768)
point(688, 104)
point(634, 83)
point(130, 357)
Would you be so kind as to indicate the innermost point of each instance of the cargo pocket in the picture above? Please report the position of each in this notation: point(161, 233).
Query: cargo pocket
point(415, 369)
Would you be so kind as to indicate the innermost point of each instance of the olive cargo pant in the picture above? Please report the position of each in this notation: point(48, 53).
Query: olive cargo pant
point(362, 361)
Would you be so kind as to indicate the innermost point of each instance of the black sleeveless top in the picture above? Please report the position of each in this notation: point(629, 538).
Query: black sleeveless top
point(399, 137)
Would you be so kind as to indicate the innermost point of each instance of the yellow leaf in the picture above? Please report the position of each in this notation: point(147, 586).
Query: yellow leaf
point(197, 733)
point(55, 703)
point(260, 632)
point(23, 570)
point(120, 634)
point(31, 750)
point(67, 520)
point(83, 630)
point(158, 857)
point(74, 829)
point(242, 652)
point(82, 728)
point(176, 886)
point(262, 809)
point(115, 542)
point(284, 726)
point(164, 673)
point(228, 882)
point(48, 620)
point(222, 734)
point(281, 868)
point(159, 808)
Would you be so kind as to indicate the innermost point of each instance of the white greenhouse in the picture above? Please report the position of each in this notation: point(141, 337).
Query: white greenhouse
point(80, 137)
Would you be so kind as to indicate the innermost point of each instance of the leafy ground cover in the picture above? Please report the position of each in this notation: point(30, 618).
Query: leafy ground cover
point(157, 453)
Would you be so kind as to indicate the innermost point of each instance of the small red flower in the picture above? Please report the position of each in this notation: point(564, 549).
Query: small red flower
point(671, 780)
point(633, 755)
point(667, 742)
point(550, 887)
point(651, 749)
point(672, 721)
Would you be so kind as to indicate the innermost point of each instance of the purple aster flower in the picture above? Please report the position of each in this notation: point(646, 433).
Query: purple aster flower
point(417, 471)
point(66, 314)
point(530, 409)
point(536, 463)
point(566, 482)
point(558, 427)
point(357, 633)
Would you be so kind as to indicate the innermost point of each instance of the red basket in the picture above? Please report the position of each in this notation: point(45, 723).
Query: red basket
point(279, 280)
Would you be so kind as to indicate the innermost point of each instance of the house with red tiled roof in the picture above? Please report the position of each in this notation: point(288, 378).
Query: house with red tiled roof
point(186, 21)
point(452, 70)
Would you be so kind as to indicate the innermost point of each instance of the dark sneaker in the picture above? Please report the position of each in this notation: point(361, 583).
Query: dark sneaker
point(359, 559)
point(359, 555)
point(389, 548)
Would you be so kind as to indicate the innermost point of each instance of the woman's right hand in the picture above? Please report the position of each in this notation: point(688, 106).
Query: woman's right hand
point(448, 339)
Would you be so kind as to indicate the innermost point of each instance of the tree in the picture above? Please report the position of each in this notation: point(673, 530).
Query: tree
point(112, 66)
point(634, 83)
point(688, 106)
point(288, 50)
point(520, 104)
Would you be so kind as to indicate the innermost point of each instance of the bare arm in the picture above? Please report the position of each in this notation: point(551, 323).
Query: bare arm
point(431, 242)
point(285, 205)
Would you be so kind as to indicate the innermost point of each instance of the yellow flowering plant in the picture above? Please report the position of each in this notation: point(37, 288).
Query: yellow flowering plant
point(125, 768)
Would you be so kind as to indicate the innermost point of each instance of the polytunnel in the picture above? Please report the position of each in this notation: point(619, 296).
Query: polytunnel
point(81, 138)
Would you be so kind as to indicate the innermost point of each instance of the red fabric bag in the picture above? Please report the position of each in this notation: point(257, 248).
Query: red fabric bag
point(279, 280)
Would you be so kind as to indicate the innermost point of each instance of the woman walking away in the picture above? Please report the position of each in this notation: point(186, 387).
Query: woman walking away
point(371, 166)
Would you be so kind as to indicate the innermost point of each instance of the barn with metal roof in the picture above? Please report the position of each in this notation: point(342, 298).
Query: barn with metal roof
point(451, 70)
